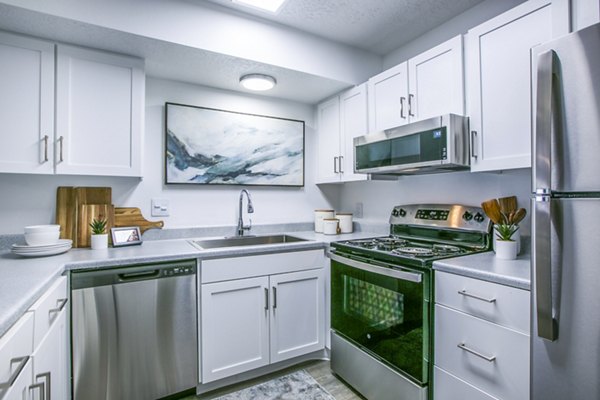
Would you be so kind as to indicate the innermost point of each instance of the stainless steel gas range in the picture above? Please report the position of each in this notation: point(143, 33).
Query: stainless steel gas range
point(381, 297)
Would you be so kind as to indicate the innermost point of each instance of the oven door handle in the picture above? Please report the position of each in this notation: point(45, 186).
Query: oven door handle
point(392, 272)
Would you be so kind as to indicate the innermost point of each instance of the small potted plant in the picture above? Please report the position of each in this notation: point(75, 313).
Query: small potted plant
point(99, 235)
point(506, 247)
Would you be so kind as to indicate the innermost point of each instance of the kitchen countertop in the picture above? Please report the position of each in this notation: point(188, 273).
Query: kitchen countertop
point(24, 280)
point(487, 267)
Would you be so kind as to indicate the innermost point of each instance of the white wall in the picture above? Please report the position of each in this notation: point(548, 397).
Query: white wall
point(379, 197)
point(31, 199)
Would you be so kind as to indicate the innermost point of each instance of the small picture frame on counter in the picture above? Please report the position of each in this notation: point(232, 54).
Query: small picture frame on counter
point(126, 236)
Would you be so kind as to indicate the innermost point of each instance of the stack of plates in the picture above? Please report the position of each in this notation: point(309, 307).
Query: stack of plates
point(24, 250)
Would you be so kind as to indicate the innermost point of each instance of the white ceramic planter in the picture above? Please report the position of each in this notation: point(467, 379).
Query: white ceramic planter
point(100, 242)
point(516, 237)
point(506, 249)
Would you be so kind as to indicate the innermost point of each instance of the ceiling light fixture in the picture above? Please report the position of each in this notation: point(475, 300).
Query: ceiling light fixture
point(258, 82)
point(264, 5)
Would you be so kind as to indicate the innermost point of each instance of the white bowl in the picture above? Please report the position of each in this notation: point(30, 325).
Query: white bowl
point(42, 238)
point(42, 228)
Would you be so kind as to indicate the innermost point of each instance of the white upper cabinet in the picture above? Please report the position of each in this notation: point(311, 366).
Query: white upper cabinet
point(340, 120)
point(425, 86)
point(26, 105)
point(99, 109)
point(99, 113)
point(500, 87)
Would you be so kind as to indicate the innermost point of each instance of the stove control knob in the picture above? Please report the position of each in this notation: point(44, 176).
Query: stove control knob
point(402, 212)
point(479, 217)
point(467, 216)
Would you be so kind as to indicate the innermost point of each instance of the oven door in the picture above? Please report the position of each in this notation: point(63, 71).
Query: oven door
point(385, 311)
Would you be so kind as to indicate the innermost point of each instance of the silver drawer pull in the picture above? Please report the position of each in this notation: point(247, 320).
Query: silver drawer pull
point(47, 382)
point(476, 353)
point(22, 361)
point(41, 388)
point(467, 294)
point(61, 304)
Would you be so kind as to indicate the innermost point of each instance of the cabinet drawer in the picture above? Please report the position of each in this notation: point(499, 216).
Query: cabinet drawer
point(504, 375)
point(448, 387)
point(15, 348)
point(47, 308)
point(224, 269)
point(493, 302)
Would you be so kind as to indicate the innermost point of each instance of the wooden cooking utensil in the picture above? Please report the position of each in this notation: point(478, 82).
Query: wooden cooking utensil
point(518, 216)
point(492, 209)
point(507, 204)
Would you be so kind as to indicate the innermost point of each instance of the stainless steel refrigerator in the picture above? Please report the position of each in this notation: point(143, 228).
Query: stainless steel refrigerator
point(565, 338)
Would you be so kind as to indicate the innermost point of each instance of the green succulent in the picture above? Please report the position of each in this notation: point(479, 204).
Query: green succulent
point(505, 231)
point(98, 226)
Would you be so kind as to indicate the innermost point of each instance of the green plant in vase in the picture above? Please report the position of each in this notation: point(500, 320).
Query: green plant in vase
point(98, 226)
point(505, 232)
point(99, 235)
point(506, 247)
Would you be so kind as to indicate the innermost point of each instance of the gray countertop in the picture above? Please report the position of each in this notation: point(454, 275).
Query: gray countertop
point(24, 280)
point(487, 267)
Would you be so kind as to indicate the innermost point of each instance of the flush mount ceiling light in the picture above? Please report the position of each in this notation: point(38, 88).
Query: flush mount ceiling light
point(258, 82)
point(264, 5)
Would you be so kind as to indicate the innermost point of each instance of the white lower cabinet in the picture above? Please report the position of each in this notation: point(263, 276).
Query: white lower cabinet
point(256, 321)
point(481, 346)
point(16, 347)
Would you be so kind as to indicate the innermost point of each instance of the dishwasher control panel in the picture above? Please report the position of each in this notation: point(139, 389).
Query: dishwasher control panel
point(180, 270)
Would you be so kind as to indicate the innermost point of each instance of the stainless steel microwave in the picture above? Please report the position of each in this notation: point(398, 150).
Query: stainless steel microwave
point(439, 144)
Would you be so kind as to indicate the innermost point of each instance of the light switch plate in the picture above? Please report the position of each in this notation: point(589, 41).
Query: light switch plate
point(160, 207)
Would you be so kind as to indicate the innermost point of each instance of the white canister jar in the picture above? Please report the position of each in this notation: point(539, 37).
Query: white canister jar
point(345, 222)
point(319, 216)
point(331, 226)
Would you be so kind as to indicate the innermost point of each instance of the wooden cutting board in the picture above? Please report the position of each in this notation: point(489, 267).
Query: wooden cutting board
point(68, 202)
point(89, 212)
point(132, 216)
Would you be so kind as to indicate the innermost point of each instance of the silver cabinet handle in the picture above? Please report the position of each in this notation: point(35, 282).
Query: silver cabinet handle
point(60, 152)
point(543, 267)
point(46, 148)
point(39, 386)
point(476, 353)
point(473, 145)
point(46, 384)
point(60, 305)
point(383, 270)
point(402, 100)
point(274, 297)
point(410, 97)
point(467, 294)
point(22, 361)
point(340, 159)
point(266, 299)
point(335, 162)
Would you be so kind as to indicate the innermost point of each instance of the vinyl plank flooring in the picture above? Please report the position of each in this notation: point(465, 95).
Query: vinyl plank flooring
point(318, 369)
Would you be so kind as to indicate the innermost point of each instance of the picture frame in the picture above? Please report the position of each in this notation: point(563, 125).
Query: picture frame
point(209, 146)
point(126, 236)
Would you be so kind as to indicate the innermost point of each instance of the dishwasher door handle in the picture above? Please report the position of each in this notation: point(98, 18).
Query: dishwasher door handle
point(133, 276)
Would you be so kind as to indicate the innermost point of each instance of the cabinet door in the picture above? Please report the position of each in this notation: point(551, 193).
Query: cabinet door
point(234, 326)
point(26, 105)
point(99, 113)
point(50, 360)
point(500, 86)
point(19, 390)
point(328, 115)
point(353, 120)
point(436, 83)
point(298, 320)
point(388, 98)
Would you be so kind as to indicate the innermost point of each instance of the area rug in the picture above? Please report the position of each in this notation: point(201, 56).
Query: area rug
point(295, 386)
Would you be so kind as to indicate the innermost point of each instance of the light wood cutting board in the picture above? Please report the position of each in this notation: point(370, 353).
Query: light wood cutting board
point(89, 212)
point(132, 216)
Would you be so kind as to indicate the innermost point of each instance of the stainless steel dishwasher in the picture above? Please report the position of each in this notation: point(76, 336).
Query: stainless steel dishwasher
point(134, 331)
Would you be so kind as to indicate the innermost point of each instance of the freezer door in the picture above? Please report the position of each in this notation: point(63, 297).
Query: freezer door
point(566, 137)
point(567, 367)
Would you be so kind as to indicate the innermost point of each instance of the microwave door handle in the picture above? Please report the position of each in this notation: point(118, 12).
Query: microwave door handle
point(387, 270)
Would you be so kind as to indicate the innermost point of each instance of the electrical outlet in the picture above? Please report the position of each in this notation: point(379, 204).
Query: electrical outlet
point(358, 210)
point(160, 208)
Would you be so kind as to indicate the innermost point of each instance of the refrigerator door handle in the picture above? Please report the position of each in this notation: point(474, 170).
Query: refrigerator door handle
point(543, 265)
point(542, 155)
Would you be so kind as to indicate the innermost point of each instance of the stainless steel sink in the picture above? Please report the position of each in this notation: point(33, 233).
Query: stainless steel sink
point(244, 241)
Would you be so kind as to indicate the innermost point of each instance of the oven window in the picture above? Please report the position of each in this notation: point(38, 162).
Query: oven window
point(385, 316)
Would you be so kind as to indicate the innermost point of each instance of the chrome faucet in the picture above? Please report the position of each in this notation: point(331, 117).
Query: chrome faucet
point(240, 226)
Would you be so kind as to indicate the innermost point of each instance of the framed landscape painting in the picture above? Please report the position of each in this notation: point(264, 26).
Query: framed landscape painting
point(210, 146)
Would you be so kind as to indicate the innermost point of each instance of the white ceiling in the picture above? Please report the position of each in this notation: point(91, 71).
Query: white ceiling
point(379, 26)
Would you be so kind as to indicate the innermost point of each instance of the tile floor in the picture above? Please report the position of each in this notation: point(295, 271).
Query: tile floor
point(318, 369)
